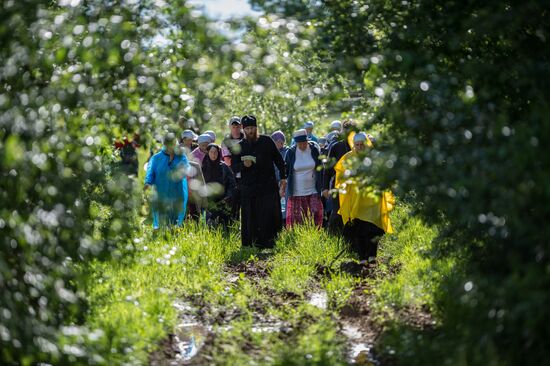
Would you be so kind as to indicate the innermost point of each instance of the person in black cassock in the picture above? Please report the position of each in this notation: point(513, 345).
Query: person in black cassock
point(260, 196)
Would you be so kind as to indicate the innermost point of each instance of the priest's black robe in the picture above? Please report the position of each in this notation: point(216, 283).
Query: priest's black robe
point(260, 201)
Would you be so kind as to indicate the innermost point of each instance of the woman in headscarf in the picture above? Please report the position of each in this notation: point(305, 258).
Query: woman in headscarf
point(364, 211)
point(303, 188)
point(279, 139)
point(220, 186)
point(199, 153)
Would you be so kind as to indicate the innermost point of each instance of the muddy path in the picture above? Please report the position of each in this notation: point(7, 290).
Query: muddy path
point(196, 340)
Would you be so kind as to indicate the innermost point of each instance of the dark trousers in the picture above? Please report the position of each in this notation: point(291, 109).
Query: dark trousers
point(363, 237)
point(261, 219)
point(219, 213)
point(193, 211)
point(335, 224)
point(236, 200)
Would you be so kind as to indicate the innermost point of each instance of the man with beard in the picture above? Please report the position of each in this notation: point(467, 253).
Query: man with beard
point(260, 200)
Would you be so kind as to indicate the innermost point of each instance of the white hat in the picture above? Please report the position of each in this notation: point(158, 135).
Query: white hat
point(212, 135)
point(300, 135)
point(204, 138)
point(360, 136)
point(309, 124)
point(336, 126)
point(188, 134)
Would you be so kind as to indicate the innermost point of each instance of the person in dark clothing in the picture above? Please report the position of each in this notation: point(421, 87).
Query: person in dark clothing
point(336, 151)
point(220, 185)
point(279, 139)
point(230, 143)
point(260, 200)
point(128, 154)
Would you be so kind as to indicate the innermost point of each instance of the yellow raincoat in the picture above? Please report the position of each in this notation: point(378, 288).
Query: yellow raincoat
point(362, 204)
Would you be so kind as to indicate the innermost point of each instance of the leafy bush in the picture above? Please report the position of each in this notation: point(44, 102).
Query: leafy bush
point(462, 90)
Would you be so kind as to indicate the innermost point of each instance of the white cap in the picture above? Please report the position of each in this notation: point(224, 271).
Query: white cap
point(336, 126)
point(300, 135)
point(360, 136)
point(309, 124)
point(204, 138)
point(212, 135)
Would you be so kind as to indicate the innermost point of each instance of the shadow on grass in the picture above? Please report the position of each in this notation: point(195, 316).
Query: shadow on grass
point(246, 254)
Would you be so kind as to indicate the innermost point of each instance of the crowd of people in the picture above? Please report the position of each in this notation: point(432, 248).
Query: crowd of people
point(268, 183)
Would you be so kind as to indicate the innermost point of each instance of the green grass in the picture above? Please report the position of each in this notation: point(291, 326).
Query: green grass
point(410, 275)
point(299, 253)
point(131, 298)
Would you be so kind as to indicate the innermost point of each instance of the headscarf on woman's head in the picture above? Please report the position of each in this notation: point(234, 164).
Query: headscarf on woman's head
point(278, 136)
point(212, 170)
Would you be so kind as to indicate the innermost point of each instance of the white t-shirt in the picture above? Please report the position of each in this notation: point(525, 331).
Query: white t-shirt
point(304, 173)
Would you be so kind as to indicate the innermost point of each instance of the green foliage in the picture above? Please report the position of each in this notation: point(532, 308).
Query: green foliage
point(414, 274)
point(74, 76)
point(462, 89)
point(278, 78)
point(459, 91)
point(57, 99)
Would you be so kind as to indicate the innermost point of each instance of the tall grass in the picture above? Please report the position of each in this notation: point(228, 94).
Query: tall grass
point(300, 252)
point(131, 298)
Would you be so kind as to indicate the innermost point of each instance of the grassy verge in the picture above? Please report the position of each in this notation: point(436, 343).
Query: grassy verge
point(256, 304)
point(260, 320)
point(131, 298)
point(406, 297)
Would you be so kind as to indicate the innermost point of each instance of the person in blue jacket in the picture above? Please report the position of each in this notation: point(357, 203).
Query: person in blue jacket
point(167, 171)
point(308, 126)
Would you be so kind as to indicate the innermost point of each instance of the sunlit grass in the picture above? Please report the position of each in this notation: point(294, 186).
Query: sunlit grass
point(299, 253)
point(131, 298)
point(413, 274)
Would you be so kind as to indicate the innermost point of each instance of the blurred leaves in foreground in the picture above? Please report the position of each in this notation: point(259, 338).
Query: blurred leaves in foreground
point(460, 91)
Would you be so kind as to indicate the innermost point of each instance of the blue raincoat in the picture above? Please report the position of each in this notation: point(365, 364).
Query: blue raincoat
point(169, 179)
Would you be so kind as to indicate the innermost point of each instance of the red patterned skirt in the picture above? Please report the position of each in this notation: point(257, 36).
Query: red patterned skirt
point(299, 209)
